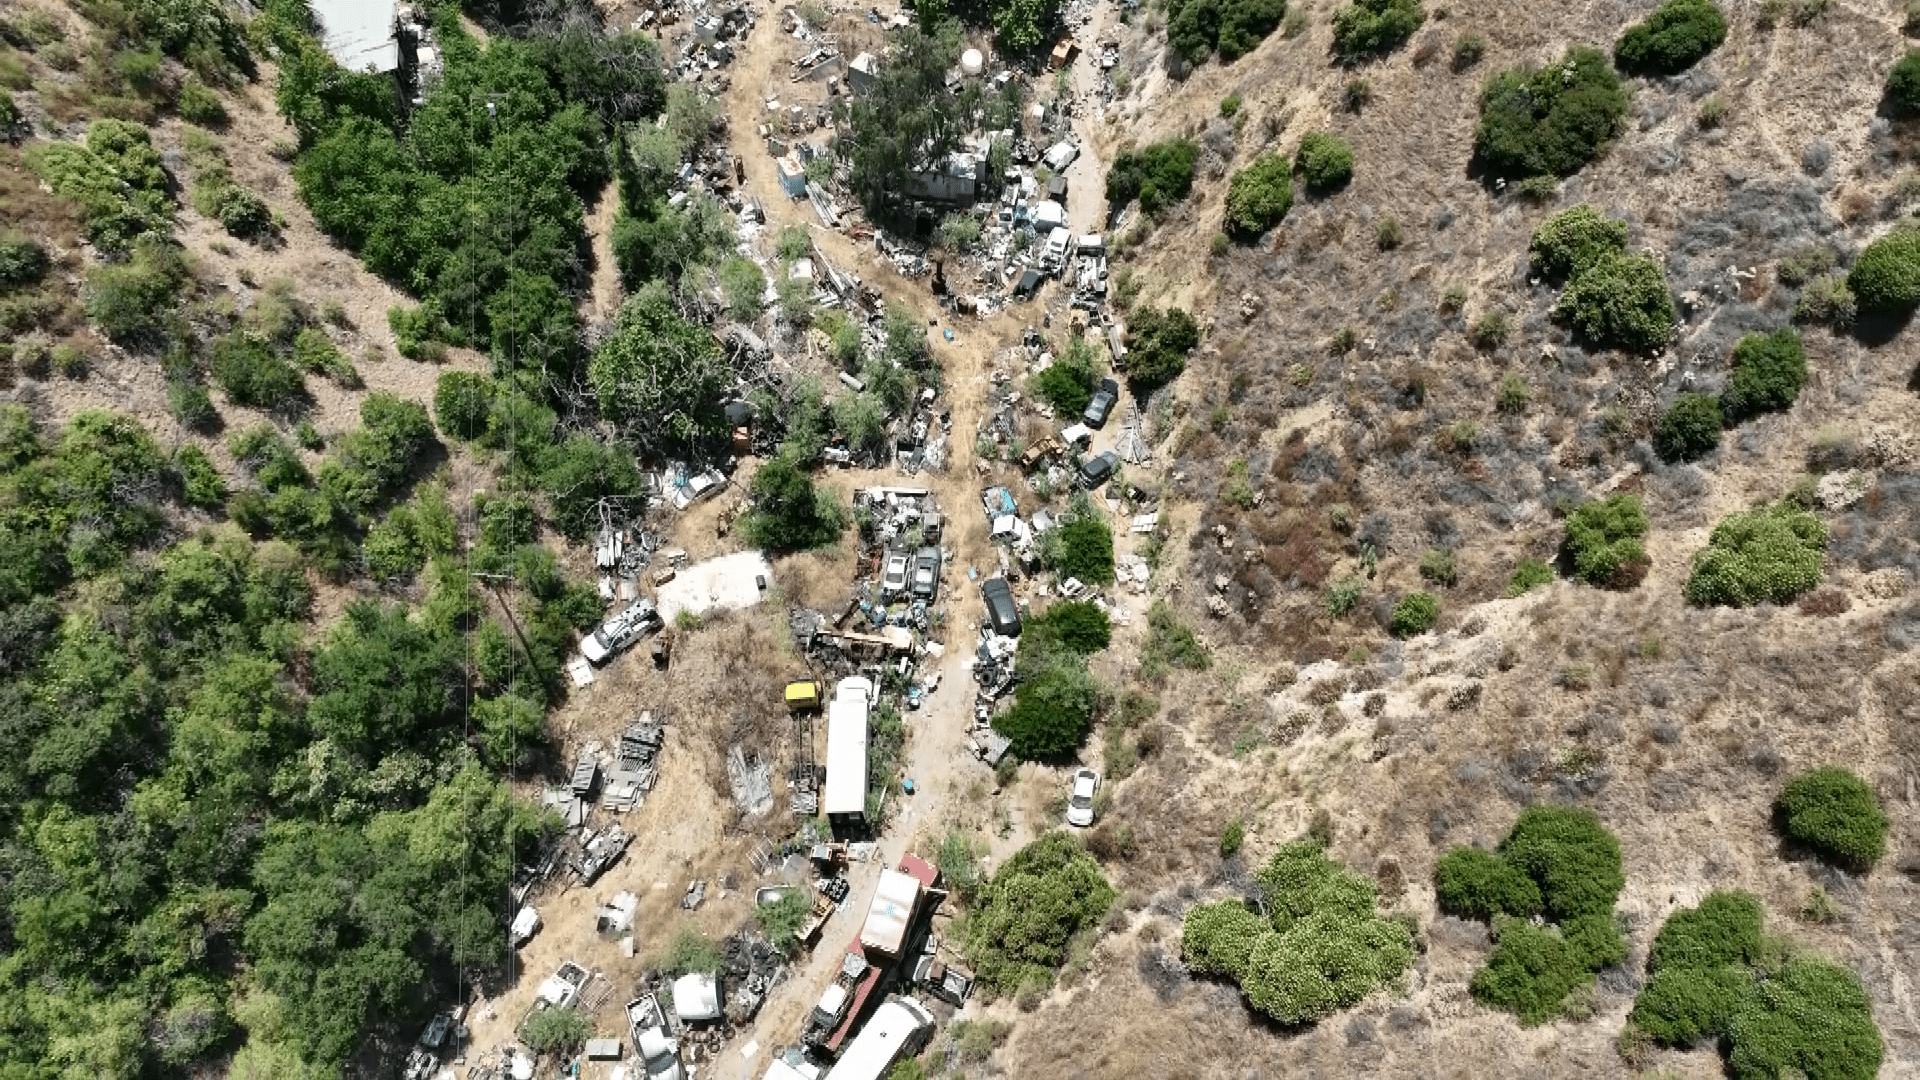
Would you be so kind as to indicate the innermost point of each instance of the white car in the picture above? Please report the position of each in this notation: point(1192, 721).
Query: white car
point(620, 631)
point(893, 580)
point(1080, 801)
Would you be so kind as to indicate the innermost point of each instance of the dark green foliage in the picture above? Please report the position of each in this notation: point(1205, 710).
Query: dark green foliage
point(1368, 27)
point(1232, 837)
point(1533, 968)
point(1571, 856)
point(1767, 555)
point(1158, 344)
point(1414, 614)
point(1903, 83)
point(23, 262)
point(1768, 372)
point(1259, 196)
point(132, 302)
point(418, 331)
point(1081, 626)
point(1723, 930)
point(201, 485)
point(908, 119)
point(1604, 541)
point(1195, 28)
point(1086, 550)
point(1886, 276)
point(117, 178)
point(78, 506)
point(1574, 240)
point(658, 374)
point(1054, 704)
point(463, 404)
point(1682, 1005)
point(1690, 427)
point(1476, 884)
point(1549, 121)
point(1219, 938)
point(1159, 175)
point(1043, 896)
point(251, 373)
point(1068, 382)
point(369, 465)
point(1620, 302)
point(1836, 815)
point(1672, 39)
point(789, 513)
point(555, 1031)
point(1323, 161)
point(1811, 1019)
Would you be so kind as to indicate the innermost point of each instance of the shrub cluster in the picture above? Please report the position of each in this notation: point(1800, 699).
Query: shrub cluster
point(1159, 175)
point(1768, 555)
point(1079, 625)
point(1621, 301)
point(1712, 975)
point(1259, 196)
point(1195, 28)
point(1689, 428)
point(1672, 39)
point(1324, 161)
point(1574, 241)
point(1604, 541)
point(1414, 614)
point(1769, 371)
point(1549, 121)
point(1886, 276)
point(1048, 892)
point(1067, 383)
point(1835, 814)
point(1903, 83)
point(1369, 27)
point(1559, 862)
point(790, 512)
point(1158, 344)
point(1322, 948)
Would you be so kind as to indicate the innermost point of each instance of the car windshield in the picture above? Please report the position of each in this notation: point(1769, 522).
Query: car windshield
point(1081, 800)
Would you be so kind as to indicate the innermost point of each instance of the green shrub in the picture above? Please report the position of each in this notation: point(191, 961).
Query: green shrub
point(201, 484)
point(1533, 969)
point(780, 922)
point(1529, 575)
point(1086, 550)
point(1604, 541)
point(1513, 395)
point(1826, 299)
point(555, 1031)
point(690, 952)
point(1229, 106)
point(1046, 894)
point(1368, 27)
point(1723, 930)
point(1171, 643)
point(239, 211)
point(117, 178)
point(1232, 837)
point(1468, 50)
point(1414, 614)
point(1475, 884)
point(1244, 24)
point(1159, 175)
point(1836, 815)
point(1572, 858)
point(1158, 344)
point(22, 262)
point(1768, 373)
point(1067, 383)
point(1054, 705)
point(253, 375)
point(197, 104)
point(1550, 121)
point(1886, 276)
point(1218, 938)
point(1768, 555)
point(1903, 83)
point(1438, 567)
point(314, 351)
point(1811, 1019)
point(1672, 39)
point(370, 465)
point(1621, 302)
point(789, 512)
point(462, 404)
point(1680, 1006)
point(1689, 428)
point(1324, 161)
point(1079, 625)
point(1490, 330)
point(133, 302)
point(1342, 594)
point(1575, 240)
point(416, 330)
point(189, 403)
point(1259, 196)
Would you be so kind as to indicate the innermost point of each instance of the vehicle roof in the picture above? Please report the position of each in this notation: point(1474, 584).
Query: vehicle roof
point(845, 791)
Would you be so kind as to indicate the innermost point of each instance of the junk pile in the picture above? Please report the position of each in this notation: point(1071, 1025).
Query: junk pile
point(634, 769)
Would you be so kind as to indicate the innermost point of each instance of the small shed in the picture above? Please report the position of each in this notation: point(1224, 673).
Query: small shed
point(862, 72)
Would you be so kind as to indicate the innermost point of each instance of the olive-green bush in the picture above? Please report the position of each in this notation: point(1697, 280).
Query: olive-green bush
point(1159, 175)
point(1572, 857)
point(1534, 968)
point(1903, 83)
point(1195, 28)
point(1886, 276)
point(1067, 383)
point(1672, 39)
point(1769, 371)
point(1476, 884)
point(1324, 161)
point(1680, 1006)
point(1549, 121)
point(1369, 27)
point(1689, 428)
point(1045, 894)
point(1574, 240)
point(254, 375)
point(1811, 1019)
point(1219, 938)
point(1621, 301)
point(1724, 929)
point(1836, 815)
point(1259, 196)
point(1414, 614)
point(1768, 555)
point(1158, 343)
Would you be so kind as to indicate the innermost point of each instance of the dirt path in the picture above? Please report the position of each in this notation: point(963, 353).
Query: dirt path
point(604, 294)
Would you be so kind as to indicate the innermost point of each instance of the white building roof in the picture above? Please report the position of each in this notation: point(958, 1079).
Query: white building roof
point(359, 33)
point(846, 787)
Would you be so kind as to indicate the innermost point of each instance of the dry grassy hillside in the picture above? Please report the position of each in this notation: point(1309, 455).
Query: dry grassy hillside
point(1676, 724)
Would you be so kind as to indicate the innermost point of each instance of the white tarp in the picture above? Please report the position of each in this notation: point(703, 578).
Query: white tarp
point(728, 582)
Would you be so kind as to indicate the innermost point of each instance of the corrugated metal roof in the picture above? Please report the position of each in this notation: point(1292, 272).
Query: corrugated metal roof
point(359, 33)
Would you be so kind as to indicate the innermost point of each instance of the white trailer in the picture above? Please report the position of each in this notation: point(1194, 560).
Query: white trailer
point(844, 798)
point(898, 1029)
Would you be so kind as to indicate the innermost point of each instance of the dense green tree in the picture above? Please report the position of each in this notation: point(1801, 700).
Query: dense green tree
point(1158, 344)
point(1549, 121)
point(1835, 814)
point(1604, 541)
point(1620, 301)
point(1259, 196)
point(659, 376)
point(1159, 175)
point(1768, 372)
point(1043, 896)
point(789, 513)
point(1369, 27)
point(1675, 37)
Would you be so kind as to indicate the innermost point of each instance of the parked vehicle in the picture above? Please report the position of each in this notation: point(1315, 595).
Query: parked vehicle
point(1002, 614)
point(1104, 399)
point(1080, 800)
point(562, 988)
point(653, 1043)
point(926, 573)
point(893, 579)
point(1098, 469)
point(635, 622)
point(897, 1030)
